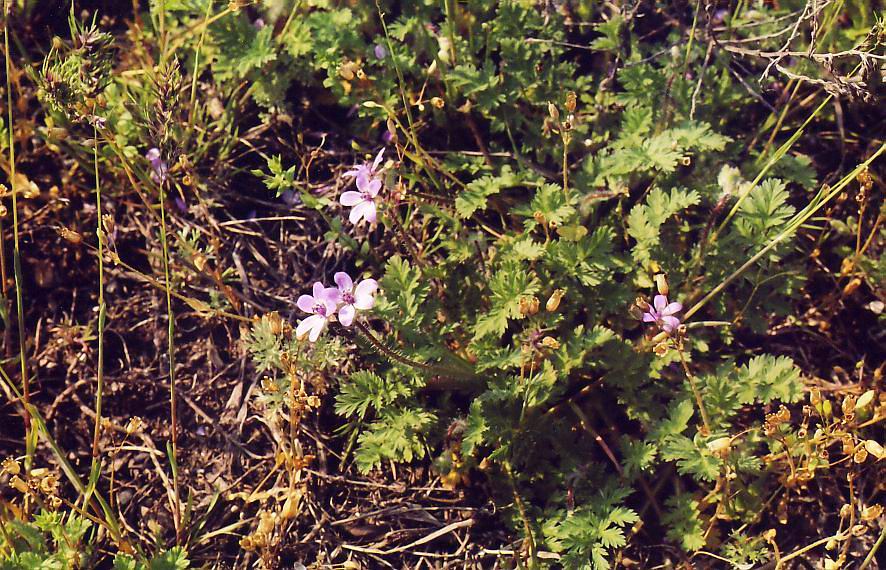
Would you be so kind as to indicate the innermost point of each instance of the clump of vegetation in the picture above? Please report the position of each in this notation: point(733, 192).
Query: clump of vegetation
point(529, 284)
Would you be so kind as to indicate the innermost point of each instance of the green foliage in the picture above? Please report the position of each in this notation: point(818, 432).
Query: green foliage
point(684, 524)
point(279, 180)
point(50, 540)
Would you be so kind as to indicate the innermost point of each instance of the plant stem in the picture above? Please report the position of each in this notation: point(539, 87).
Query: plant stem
point(170, 347)
point(16, 252)
point(102, 315)
point(698, 400)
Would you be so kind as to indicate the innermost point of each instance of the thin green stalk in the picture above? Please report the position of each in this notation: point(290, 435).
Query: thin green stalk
point(170, 347)
point(824, 196)
point(102, 315)
point(62, 458)
point(192, 105)
point(30, 442)
point(779, 153)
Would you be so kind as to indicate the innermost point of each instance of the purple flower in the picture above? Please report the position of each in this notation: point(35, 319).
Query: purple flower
point(366, 170)
point(380, 51)
point(369, 184)
point(321, 307)
point(159, 168)
point(352, 298)
point(662, 314)
point(362, 202)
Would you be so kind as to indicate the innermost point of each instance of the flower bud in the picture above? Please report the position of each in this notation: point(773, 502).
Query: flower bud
point(720, 446)
point(554, 300)
point(661, 283)
point(865, 400)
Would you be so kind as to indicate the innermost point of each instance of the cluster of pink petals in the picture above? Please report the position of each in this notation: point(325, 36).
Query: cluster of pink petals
point(345, 299)
point(662, 314)
point(369, 184)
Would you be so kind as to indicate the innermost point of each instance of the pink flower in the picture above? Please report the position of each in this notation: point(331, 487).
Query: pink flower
point(159, 168)
point(662, 314)
point(362, 201)
point(366, 170)
point(350, 299)
point(321, 307)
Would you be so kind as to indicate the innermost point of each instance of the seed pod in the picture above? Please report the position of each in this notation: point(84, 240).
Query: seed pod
point(18, 484)
point(865, 400)
point(554, 300)
point(529, 305)
point(851, 287)
point(661, 283)
point(874, 448)
point(11, 466)
point(570, 101)
point(69, 235)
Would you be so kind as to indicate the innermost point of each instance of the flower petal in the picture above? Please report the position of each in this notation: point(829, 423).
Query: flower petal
point(318, 290)
point(306, 325)
point(306, 303)
point(363, 179)
point(153, 154)
point(346, 315)
point(370, 212)
point(648, 318)
point(358, 212)
point(316, 328)
point(672, 309)
point(350, 198)
point(331, 297)
point(364, 294)
point(344, 282)
point(670, 324)
point(660, 302)
point(373, 187)
point(378, 157)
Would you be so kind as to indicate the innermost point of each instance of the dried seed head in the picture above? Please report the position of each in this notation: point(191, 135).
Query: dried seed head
point(550, 342)
point(570, 101)
point(554, 300)
point(69, 235)
point(860, 455)
point(10, 466)
point(18, 484)
point(529, 305)
point(871, 513)
point(661, 348)
point(438, 102)
point(134, 425)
